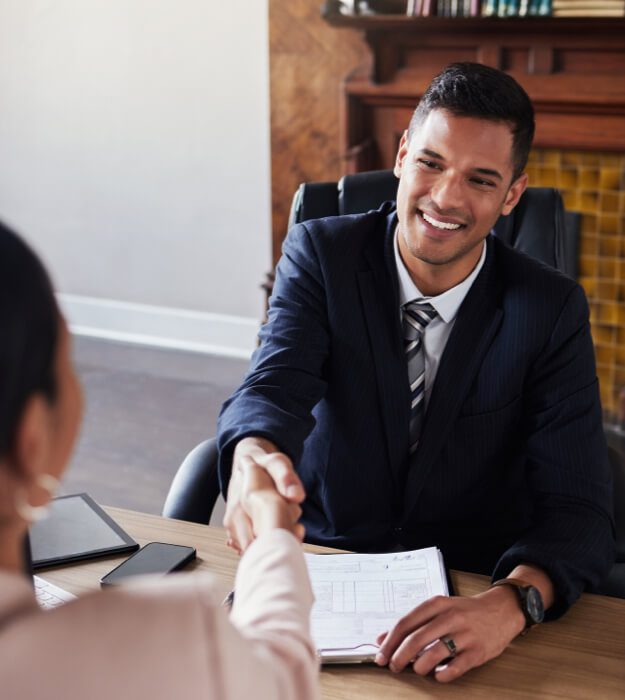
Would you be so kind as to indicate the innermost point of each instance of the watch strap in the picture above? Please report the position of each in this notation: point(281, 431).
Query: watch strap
point(520, 588)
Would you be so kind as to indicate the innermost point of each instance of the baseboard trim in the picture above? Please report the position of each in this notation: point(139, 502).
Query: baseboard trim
point(158, 326)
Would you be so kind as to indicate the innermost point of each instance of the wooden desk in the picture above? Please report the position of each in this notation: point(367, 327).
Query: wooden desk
point(580, 657)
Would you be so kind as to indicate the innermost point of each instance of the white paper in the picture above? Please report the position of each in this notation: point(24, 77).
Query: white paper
point(49, 595)
point(358, 596)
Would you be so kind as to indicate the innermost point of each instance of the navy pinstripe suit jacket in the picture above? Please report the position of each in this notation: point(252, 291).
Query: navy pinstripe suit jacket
point(512, 464)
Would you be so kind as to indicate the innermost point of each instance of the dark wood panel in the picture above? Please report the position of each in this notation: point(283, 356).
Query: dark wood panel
point(399, 41)
point(586, 132)
point(585, 61)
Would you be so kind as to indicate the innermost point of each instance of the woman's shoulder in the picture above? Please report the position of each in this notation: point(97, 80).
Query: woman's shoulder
point(131, 635)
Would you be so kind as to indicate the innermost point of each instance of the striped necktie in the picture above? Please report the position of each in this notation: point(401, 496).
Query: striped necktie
point(416, 316)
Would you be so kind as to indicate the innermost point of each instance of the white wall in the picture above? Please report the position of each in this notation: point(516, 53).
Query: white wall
point(134, 154)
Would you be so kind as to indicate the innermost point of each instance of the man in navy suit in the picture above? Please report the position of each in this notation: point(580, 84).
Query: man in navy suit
point(431, 386)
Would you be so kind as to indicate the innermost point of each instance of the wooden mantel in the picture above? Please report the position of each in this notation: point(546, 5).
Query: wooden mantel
point(572, 68)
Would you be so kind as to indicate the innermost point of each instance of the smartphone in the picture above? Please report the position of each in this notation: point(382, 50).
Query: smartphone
point(154, 558)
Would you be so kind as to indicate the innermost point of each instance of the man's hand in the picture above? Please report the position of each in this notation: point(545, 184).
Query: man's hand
point(265, 507)
point(250, 454)
point(481, 627)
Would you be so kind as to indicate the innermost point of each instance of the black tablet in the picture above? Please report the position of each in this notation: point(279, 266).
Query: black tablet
point(77, 528)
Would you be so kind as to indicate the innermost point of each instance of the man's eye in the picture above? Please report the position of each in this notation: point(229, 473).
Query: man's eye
point(430, 164)
point(482, 183)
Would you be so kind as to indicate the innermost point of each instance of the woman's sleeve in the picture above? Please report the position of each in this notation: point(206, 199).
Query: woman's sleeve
point(271, 613)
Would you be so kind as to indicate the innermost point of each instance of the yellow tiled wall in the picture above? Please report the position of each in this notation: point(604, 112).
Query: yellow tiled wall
point(594, 184)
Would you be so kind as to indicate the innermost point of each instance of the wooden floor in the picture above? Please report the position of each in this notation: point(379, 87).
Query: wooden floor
point(145, 408)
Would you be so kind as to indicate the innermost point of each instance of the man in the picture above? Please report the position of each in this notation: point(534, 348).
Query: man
point(433, 387)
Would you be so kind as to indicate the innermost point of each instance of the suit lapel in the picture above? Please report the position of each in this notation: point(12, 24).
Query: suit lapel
point(478, 319)
point(378, 287)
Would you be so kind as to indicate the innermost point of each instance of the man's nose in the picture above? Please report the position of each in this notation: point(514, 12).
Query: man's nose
point(447, 192)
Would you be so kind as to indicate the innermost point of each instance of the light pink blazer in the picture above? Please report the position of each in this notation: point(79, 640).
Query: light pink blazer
point(167, 639)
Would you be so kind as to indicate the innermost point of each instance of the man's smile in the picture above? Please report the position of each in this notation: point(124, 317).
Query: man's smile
point(447, 226)
point(441, 224)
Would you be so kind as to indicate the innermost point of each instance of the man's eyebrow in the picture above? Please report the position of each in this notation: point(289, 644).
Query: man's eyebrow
point(432, 154)
point(490, 173)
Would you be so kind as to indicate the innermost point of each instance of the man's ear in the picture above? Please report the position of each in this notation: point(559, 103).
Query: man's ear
point(31, 448)
point(514, 194)
point(402, 152)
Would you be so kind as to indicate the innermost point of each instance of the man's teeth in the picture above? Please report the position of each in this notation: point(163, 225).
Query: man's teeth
point(440, 224)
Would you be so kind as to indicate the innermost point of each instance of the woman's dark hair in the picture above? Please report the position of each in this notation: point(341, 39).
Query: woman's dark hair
point(475, 90)
point(29, 323)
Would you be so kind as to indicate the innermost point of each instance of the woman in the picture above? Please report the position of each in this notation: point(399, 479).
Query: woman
point(153, 639)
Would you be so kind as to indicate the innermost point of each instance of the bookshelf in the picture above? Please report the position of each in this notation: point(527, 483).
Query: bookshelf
point(573, 69)
point(474, 8)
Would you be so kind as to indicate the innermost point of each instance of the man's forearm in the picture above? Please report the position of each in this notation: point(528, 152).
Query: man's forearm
point(538, 578)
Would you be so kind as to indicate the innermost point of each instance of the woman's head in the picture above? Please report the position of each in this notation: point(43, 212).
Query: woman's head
point(29, 331)
point(39, 394)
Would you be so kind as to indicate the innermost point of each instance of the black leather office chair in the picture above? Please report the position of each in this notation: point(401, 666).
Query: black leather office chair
point(195, 488)
point(538, 226)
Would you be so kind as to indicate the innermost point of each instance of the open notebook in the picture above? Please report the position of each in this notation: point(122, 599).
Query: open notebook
point(358, 596)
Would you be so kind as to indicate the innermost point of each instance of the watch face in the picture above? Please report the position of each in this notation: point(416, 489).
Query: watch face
point(534, 605)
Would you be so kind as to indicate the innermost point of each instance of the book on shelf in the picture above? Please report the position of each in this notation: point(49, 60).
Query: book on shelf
point(545, 8)
point(591, 12)
point(523, 7)
point(445, 8)
point(489, 8)
point(586, 5)
point(415, 8)
point(587, 8)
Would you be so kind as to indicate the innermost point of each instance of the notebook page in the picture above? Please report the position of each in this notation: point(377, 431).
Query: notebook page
point(358, 596)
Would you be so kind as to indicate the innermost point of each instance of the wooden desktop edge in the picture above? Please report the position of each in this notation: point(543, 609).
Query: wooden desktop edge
point(585, 649)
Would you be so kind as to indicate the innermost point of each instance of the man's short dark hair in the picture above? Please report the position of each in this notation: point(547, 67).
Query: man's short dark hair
point(475, 90)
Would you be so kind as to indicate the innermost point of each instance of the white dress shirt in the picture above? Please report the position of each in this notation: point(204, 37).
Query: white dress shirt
point(446, 304)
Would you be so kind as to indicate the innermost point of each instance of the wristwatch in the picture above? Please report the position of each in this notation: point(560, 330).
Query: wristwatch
point(529, 598)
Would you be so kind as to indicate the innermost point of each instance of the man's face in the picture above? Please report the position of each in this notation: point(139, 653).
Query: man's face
point(455, 180)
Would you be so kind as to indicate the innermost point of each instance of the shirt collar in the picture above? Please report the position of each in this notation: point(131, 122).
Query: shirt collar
point(447, 303)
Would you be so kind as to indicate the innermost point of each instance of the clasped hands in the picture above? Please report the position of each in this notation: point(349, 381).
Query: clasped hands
point(265, 492)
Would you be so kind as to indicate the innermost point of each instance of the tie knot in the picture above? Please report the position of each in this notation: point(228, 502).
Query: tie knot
point(417, 315)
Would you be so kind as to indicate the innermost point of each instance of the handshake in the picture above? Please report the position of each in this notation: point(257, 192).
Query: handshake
point(264, 493)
